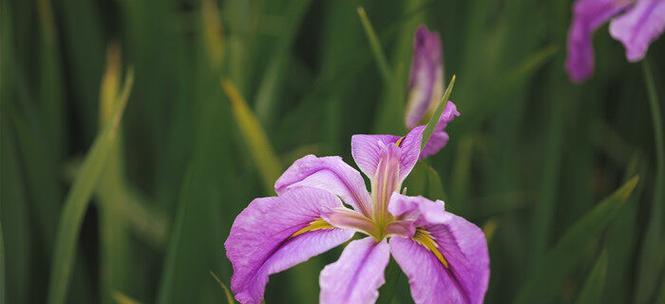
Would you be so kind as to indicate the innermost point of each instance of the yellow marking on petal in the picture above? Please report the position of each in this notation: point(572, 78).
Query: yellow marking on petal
point(399, 141)
point(313, 226)
point(423, 237)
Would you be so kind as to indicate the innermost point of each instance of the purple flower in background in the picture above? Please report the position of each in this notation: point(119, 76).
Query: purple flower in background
point(322, 202)
point(426, 89)
point(636, 24)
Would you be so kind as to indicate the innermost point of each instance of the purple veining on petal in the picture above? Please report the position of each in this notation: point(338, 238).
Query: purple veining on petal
point(366, 150)
point(356, 277)
point(386, 180)
point(426, 76)
point(410, 151)
point(639, 27)
point(260, 243)
point(462, 244)
point(327, 173)
point(588, 15)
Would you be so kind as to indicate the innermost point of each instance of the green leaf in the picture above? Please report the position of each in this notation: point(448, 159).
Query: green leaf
point(121, 298)
point(651, 263)
point(255, 137)
point(377, 50)
point(78, 198)
point(593, 287)
point(429, 128)
point(227, 291)
point(2, 267)
point(545, 280)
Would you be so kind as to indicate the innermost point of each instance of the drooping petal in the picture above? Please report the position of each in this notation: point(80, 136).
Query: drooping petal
point(426, 77)
point(639, 26)
point(328, 173)
point(356, 277)
point(368, 149)
point(447, 260)
point(439, 137)
point(417, 209)
point(588, 15)
point(267, 237)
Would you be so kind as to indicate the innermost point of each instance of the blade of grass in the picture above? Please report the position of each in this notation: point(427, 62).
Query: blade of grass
point(227, 291)
point(545, 280)
point(256, 139)
point(2, 266)
point(377, 50)
point(78, 198)
point(651, 265)
point(121, 298)
point(593, 287)
point(269, 87)
point(429, 128)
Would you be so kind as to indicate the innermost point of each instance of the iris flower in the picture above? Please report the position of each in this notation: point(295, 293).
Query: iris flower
point(635, 23)
point(322, 202)
point(426, 87)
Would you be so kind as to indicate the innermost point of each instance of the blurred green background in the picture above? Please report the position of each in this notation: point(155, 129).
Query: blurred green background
point(101, 207)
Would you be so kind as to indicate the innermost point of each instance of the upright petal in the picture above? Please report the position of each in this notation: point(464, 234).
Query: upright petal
point(439, 137)
point(356, 277)
point(448, 262)
point(328, 173)
point(638, 27)
point(367, 150)
point(426, 78)
point(267, 238)
point(588, 15)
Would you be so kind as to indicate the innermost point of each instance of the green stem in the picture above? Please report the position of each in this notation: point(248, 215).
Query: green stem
point(379, 55)
point(650, 261)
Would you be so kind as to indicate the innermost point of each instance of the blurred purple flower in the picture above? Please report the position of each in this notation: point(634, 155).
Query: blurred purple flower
point(636, 24)
point(322, 202)
point(426, 89)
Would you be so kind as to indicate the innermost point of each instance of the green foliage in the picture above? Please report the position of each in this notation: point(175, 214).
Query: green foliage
point(95, 213)
point(545, 280)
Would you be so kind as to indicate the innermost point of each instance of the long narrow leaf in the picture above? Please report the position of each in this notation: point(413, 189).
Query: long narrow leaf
point(546, 279)
point(593, 287)
point(377, 50)
point(651, 262)
point(78, 198)
point(429, 128)
point(257, 142)
point(2, 267)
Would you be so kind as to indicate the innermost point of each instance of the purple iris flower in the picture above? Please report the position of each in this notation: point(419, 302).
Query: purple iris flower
point(636, 23)
point(426, 89)
point(322, 202)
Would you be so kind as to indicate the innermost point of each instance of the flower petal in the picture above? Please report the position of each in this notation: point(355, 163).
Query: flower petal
point(638, 27)
point(417, 209)
point(345, 218)
point(356, 277)
point(439, 137)
point(426, 77)
point(367, 151)
point(588, 15)
point(263, 238)
point(328, 173)
point(464, 275)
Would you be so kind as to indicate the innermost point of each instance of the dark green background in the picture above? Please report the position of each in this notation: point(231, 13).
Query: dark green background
point(531, 154)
